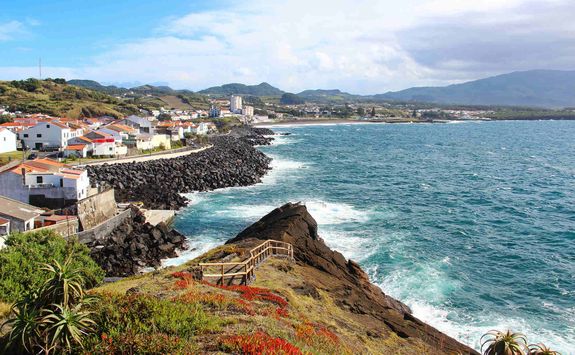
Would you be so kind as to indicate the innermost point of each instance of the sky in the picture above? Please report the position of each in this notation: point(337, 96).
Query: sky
point(358, 46)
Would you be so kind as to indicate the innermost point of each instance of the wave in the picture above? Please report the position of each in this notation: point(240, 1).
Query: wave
point(202, 246)
point(426, 291)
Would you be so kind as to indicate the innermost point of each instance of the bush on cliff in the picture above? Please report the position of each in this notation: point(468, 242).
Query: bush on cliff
point(21, 260)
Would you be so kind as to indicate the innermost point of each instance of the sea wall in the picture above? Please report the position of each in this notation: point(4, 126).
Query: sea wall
point(96, 209)
point(105, 228)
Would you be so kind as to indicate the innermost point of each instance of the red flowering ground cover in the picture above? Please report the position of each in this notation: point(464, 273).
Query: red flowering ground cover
point(259, 343)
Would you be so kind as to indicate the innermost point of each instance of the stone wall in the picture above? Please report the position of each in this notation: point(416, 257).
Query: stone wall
point(65, 229)
point(96, 209)
point(104, 229)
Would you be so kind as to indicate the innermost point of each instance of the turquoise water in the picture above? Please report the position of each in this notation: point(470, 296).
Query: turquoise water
point(472, 225)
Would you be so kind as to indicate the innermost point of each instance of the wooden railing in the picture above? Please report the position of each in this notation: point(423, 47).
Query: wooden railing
point(245, 269)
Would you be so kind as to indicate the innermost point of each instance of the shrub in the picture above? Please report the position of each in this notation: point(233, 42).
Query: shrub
point(21, 259)
point(143, 314)
point(51, 318)
point(259, 343)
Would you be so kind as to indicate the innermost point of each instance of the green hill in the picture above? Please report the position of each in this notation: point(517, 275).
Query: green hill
point(535, 88)
point(328, 96)
point(55, 97)
point(263, 89)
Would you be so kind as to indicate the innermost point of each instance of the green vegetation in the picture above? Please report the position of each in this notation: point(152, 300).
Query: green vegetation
point(263, 89)
point(9, 156)
point(531, 114)
point(20, 261)
point(53, 317)
point(57, 99)
point(510, 343)
point(291, 99)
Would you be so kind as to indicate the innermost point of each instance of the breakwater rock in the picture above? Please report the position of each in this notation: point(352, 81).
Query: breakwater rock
point(253, 135)
point(231, 162)
point(134, 245)
point(344, 280)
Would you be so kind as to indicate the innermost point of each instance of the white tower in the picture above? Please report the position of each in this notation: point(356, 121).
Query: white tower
point(236, 104)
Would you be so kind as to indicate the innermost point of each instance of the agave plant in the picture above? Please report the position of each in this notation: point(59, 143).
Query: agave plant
point(503, 343)
point(64, 286)
point(26, 330)
point(66, 326)
point(52, 319)
point(541, 349)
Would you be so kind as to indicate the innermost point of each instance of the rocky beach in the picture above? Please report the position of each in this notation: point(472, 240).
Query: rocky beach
point(158, 184)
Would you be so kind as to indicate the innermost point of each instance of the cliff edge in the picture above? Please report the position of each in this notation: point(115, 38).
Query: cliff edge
point(343, 280)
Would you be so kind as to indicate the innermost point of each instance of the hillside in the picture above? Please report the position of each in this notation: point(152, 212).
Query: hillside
point(56, 98)
point(318, 303)
point(536, 88)
point(329, 96)
point(263, 89)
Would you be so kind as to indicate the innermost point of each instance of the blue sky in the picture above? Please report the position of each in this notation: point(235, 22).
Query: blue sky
point(361, 46)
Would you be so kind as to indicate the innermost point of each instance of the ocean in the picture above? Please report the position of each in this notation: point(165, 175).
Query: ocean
point(471, 224)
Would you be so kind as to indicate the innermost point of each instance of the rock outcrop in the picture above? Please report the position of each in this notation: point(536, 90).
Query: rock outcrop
point(352, 289)
point(158, 183)
point(136, 244)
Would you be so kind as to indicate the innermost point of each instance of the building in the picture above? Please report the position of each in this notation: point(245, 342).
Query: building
point(20, 216)
point(236, 104)
point(46, 135)
point(143, 125)
point(215, 112)
point(44, 182)
point(76, 150)
point(248, 111)
point(7, 141)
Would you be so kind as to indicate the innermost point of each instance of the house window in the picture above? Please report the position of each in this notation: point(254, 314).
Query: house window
point(39, 179)
point(110, 149)
point(47, 126)
point(25, 135)
point(39, 135)
point(61, 182)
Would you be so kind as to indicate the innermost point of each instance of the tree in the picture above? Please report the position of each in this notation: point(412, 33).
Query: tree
point(24, 251)
point(373, 112)
point(291, 99)
point(164, 117)
point(361, 111)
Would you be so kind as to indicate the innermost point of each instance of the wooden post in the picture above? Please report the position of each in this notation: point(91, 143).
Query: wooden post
point(222, 274)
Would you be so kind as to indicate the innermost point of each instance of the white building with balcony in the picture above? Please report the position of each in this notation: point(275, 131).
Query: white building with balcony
point(45, 183)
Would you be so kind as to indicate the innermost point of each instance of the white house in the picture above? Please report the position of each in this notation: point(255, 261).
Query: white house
point(7, 140)
point(142, 124)
point(46, 134)
point(16, 216)
point(44, 182)
point(77, 150)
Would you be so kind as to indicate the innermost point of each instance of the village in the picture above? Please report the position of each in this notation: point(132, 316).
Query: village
point(44, 183)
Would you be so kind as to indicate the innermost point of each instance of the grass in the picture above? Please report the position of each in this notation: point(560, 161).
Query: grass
point(7, 157)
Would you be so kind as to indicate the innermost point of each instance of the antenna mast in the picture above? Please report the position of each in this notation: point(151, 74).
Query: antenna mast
point(40, 67)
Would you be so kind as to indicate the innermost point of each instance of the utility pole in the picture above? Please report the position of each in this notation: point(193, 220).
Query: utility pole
point(40, 67)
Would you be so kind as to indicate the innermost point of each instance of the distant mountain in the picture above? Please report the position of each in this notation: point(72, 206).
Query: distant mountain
point(114, 90)
point(328, 96)
point(94, 85)
point(263, 89)
point(535, 88)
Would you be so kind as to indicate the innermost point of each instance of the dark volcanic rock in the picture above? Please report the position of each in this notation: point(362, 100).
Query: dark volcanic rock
point(158, 183)
point(135, 244)
point(292, 223)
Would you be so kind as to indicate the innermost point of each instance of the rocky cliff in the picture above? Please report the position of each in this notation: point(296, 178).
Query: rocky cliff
point(343, 279)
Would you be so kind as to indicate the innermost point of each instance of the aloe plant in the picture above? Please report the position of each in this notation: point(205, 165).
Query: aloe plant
point(53, 319)
point(541, 349)
point(64, 286)
point(503, 343)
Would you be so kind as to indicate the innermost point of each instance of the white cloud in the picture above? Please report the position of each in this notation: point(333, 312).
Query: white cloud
point(9, 30)
point(362, 46)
